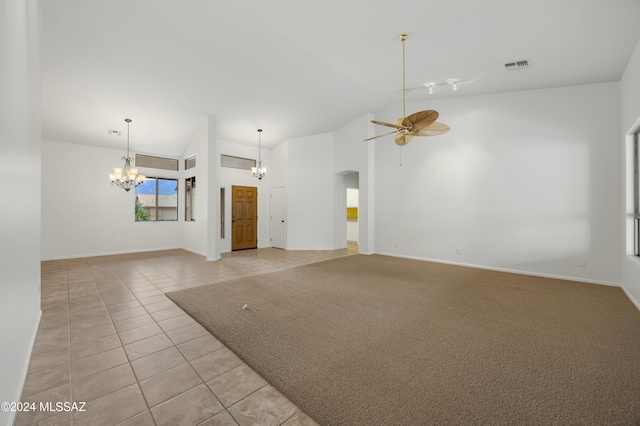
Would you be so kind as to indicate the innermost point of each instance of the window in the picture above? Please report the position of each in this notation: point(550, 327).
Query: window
point(190, 162)
point(157, 200)
point(156, 162)
point(236, 162)
point(636, 193)
point(190, 199)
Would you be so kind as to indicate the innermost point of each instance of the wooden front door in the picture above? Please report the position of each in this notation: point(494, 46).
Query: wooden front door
point(244, 221)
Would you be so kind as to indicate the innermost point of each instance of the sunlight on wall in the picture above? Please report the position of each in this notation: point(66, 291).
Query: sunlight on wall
point(532, 196)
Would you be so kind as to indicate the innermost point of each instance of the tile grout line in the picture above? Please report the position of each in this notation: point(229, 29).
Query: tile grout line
point(269, 264)
point(156, 322)
point(69, 338)
point(187, 361)
point(127, 355)
point(224, 408)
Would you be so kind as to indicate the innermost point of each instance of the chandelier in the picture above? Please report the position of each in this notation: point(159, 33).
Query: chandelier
point(126, 177)
point(259, 171)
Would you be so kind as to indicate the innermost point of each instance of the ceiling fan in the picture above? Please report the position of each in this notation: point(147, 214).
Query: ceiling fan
point(422, 123)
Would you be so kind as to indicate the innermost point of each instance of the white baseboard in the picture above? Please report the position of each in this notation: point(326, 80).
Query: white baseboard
point(108, 253)
point(115, 253)
point(195, 252)
point(633, 299)
point(511, 271)
point(25, 366)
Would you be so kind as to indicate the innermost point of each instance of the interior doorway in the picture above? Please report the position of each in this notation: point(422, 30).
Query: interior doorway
point(352, 216)
point(348, 217)
point(278, 218)
point(244, 218)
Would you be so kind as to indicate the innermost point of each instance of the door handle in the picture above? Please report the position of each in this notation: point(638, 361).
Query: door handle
point(282, 221)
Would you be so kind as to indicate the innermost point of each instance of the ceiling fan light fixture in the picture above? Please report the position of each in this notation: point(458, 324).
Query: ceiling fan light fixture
point(416, 124)
point(430, 86)
point(454, 83)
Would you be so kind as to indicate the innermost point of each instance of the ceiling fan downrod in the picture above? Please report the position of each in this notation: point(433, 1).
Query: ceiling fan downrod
point(403, 37)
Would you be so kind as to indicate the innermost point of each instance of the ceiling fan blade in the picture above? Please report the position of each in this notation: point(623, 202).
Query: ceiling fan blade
point(434, 129)
point(379, 136)
point(421, 119)
point(395, 126)
point(403, 139)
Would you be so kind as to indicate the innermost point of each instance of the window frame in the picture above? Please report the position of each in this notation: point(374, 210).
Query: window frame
point(636, 193)
point(156, 179)
point(189, 195)
point(190, 162)
point(222, 210)
point(154, 162)
point(235, 162)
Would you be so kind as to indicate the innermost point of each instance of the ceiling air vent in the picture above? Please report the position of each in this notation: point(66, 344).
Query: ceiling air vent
point(517, 65)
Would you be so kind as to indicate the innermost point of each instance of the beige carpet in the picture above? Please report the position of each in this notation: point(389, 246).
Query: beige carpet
point(366, 340)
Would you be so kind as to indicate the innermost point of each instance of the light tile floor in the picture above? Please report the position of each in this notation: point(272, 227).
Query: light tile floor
point(110, 338)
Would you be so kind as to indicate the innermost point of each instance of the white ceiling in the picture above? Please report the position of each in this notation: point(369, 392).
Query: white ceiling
point(301, 67)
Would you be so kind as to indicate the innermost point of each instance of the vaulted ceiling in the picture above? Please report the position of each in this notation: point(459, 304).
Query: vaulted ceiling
point(302, 67)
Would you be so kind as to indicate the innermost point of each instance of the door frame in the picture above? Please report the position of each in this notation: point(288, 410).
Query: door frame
point(284, 216)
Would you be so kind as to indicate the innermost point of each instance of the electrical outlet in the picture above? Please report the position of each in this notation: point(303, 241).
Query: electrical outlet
point(397, 244)
point(458, 250)
point(582, 262)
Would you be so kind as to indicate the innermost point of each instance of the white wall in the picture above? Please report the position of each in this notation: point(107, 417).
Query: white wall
point(310, 193)
point(524, 181)
point(213, 190)
point(229, 177)
point(279, 165)
point(194, 233)
point(88, 217)
point(83, 215)
point(629, 121)
point(339, 211)
point(20, 124)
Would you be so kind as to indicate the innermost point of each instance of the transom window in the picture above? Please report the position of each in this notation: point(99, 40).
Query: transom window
point(156, 162)
point(190, 162)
